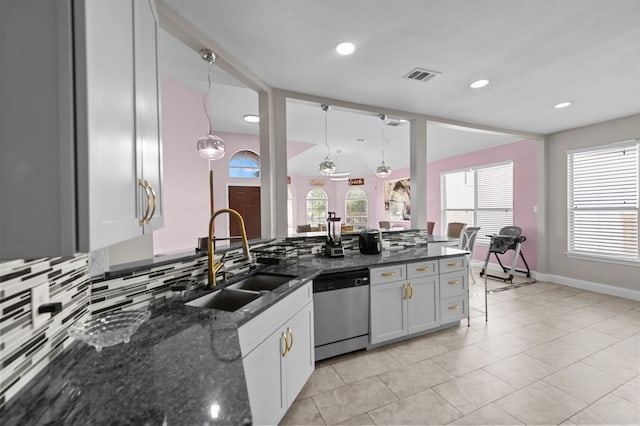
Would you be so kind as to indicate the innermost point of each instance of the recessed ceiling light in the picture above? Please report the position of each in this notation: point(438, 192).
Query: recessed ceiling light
point(251, 118)
point(402, 120)
point(479, 83)
point(340, 174)
point(345, 48)
point(562, 105)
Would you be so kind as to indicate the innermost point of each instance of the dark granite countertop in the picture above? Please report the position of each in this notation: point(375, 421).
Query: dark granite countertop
point(183, 366)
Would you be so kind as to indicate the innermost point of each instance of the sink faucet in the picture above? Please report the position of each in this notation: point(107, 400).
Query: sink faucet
point(215, 267)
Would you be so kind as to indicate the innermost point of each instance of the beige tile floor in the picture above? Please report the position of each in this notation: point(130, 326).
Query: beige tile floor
point(549, 354)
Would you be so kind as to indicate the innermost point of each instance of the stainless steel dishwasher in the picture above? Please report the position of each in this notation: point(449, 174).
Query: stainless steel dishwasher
point(341, 312)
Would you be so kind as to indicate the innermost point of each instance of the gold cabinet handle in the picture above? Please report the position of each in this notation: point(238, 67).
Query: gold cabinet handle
point(452, 264)
point(144, 184)
point(406, 292)
point(155, 201)
point(453, 282)
point(290, 334)
point(454, 307)
point(286, 345)
point(411, 288)
point(422, 269)
point(388, 274)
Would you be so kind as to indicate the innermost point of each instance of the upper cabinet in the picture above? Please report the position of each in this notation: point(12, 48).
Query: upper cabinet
point(81, 150)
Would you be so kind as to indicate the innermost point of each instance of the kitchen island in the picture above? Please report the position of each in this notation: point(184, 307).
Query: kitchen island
point(183, 366)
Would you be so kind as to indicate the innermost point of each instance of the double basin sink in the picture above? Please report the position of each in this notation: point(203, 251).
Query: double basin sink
point(236, 295)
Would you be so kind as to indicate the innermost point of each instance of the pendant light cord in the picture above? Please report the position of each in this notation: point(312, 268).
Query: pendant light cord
point(383, 118)
point(207, 96)
point(326, 112)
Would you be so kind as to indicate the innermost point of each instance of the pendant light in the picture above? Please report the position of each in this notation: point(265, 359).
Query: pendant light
point(383, 170)
point(210, 147)
point(327, 166)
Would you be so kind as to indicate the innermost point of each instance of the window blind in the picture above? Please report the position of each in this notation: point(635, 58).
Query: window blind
point(602, 195)
point(481, 196)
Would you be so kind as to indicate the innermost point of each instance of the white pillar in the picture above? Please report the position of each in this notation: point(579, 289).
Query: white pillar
point(418, 166)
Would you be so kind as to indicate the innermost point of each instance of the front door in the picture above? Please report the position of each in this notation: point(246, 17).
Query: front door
point(246, 200)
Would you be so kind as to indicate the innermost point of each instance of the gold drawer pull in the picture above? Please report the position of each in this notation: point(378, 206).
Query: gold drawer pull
point(405, 293)
point(452, 264)
point(286, 345)
point(453, 282)
point(388, 274)
point(290, 334)
point(454, 307)
point(422, 269)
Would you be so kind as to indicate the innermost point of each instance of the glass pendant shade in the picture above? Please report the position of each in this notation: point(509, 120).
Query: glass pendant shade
point(327, 167)
point(211, 147)
point(383, 170)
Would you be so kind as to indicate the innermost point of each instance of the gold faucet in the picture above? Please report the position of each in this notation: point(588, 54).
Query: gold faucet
point(214, 268)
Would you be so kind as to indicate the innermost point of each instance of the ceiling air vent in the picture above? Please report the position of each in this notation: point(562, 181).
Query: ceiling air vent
point(421, 74)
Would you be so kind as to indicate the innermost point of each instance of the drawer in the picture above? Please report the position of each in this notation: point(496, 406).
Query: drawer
point(422, 269)
point(452, 264)
point(453, 309)
point(453, 284)
point(387, 274)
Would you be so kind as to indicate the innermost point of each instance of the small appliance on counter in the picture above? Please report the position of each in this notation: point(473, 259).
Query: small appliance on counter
point(370, 241)
point(333, 246)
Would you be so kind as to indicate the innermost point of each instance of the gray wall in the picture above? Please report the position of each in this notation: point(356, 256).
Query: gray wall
point(619, 275)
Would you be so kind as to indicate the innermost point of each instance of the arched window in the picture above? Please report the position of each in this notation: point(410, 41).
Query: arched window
point(316, 207)
point(244, 164)
point(357, 207)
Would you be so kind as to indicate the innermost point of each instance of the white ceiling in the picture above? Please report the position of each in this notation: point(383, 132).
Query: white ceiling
point(536, 53)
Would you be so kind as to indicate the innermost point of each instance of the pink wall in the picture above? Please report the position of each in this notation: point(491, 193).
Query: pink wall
point(525, 190)
point(186, 174)
point(336, 191)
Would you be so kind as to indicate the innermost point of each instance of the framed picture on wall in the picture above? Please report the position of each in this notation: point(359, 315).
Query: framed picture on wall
point(397, 199)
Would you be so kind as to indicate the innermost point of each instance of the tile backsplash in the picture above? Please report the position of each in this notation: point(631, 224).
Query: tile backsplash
point(25, 350)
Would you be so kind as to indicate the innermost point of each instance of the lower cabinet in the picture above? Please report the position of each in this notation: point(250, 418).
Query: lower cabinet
point(403, 307)
point(278, 367)
point(415, 297)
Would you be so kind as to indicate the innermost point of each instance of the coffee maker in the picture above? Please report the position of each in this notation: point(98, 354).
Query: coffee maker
point(333, 247)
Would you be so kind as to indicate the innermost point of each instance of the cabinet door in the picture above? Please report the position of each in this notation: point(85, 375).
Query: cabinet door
point(264, 369)
point(300, 358)
point(423, 304)
point(388, 311)
point(108, 208)
point(148, 136)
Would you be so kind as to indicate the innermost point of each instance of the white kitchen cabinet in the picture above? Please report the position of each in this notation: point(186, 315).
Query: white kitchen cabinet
point(423, 310)
point(83, 127)
point(147, 102)
point(403, 307)
point(278, 360)
point(388, 312)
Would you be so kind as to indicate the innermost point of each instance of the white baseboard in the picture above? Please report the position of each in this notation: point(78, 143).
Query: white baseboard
point(612, 290)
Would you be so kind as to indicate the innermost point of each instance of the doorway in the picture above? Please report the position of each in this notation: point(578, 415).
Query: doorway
point(246, 200)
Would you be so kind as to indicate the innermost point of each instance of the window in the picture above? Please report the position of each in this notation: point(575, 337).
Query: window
point(316, 207)
point(480, 196)
point(602, 197)
point(244, 164)
point(357, 207)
